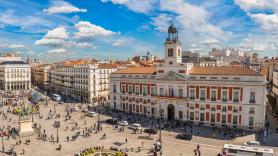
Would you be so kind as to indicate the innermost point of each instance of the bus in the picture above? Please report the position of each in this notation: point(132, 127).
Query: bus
point(238, 150)
point(56, 97)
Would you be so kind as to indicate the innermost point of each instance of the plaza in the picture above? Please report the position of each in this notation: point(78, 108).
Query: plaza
point(170, 145)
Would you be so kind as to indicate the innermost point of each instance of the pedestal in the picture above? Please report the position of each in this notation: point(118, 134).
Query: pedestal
point(25, 128)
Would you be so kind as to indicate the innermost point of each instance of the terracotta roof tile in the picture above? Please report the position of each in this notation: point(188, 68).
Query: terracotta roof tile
point(136, 70)
point(107, 66)
point(229, 70)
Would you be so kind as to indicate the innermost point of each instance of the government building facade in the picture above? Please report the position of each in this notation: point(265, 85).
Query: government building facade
point(232, 96)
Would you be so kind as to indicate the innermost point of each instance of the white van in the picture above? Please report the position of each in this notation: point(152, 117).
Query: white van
point(91, 114)
point(135, 126)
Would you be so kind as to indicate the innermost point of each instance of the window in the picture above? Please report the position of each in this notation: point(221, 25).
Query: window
point(224, 108)
point(251, 121)
point(129, 89)
point(180, 92)
point(137, 108)
point(202, 116)
point(192, 94)
point(180, 115)
point(171, 92)
point(213, 95)
point(144, 90)
point(202, 107)
point(234, 119)
point(191, 115)
point(123, 88)
point(212, 108)
point(114, 88)
point(170, 63)
point(224, 96)
point(203, 95)
point(152, 91)
point(137, 90)
point(252, 97)
point(161, 91)
point(223, 119)
point(212, 119)
point(236, 96)
point(170, 52)
point(252, 111)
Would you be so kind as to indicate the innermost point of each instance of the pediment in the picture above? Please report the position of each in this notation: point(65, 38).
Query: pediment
point(171, 76)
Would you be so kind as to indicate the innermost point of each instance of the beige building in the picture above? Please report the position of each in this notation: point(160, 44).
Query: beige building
point(40, 74)
point(81, 80)
point(232, 96)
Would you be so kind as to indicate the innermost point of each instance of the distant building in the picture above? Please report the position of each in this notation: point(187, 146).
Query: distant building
point(15, 75)
point(147, 58)
point(190, 57)
point(275, 83)
point(40, 74)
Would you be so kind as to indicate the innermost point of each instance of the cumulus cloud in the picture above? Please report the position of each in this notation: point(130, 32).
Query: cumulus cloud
point(253, 4)
point(57, 51)
point(87, 30)
point(267, 21)
point(210, 41)
point(63, 7)
point(140, 6)
point(162, 22)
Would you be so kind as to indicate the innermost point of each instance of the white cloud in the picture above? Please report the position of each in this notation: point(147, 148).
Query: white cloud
point(267, 21)
point(252, 4)
point(63, 7)
point(118, 43)
point(140, 6)
point(57, 51)
point(17, 46)
point(162, 22)
point(210, 41)
point(87, 30)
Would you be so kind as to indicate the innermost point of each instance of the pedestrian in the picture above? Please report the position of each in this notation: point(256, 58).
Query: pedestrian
point(198, 147)
point(23, 151)
point(142, 143)
point(67, 138)
point(195, 152)
point(125, 140)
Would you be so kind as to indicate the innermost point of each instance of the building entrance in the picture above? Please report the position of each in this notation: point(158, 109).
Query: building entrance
point(171, 112)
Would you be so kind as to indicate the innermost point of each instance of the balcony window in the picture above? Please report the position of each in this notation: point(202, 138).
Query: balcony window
point(129, 89)
point(144, 90)
point(252, 97)
point(212, 108)
point(223, 119)
point(171, 92)
point(251, 121)
point(161, 91)
point(152, 91)
point(236, 96)
point(213, 95)
point(202, 107)
point(224, 109)
point(114, 88)
point(252, 111)
point(212, 119)
point(180, 92)
point(224, 96)
point(191, 106)
point(234, 119)
point(137, 90)
point(235, 110)
point(202, 117)
point(192, 94)
point(202, 95)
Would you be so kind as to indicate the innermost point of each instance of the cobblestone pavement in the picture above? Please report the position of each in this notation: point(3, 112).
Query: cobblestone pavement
point(38, 147)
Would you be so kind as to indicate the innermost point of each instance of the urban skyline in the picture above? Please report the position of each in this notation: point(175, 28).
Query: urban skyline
point(119, 29)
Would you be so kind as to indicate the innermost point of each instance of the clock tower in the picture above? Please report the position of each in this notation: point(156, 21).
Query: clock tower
point(173, 47)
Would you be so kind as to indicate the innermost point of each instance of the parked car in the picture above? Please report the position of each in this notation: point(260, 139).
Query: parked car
point(75, 109)
point(91, 114)
point(84, 110)
point(135, 126)
point(184, 136)
point(150, 131)
point(112, 121)
point(122, 123)
point(252, 143)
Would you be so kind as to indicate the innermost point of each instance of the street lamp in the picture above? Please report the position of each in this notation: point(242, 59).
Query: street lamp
point(57, 126)
point(98, 117)
point(160, 138)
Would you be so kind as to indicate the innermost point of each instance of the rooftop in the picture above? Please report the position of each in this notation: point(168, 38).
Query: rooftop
point(227, 70)
point(12, 62)
point(137, 70)
point(107, 66)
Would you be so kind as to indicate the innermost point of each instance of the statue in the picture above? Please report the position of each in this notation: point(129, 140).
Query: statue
point(25, 122)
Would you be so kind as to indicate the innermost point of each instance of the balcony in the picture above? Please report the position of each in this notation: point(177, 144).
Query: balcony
point(213, 99)
point(252, 101)
point(235, 100)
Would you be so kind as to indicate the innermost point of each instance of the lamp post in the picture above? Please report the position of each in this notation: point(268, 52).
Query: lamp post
point(160, 138)
point(98, 117)
point(57, 126)
point(2, 137)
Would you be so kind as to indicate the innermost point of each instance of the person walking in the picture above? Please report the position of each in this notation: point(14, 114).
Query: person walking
point(125, 140)
point(142, 143)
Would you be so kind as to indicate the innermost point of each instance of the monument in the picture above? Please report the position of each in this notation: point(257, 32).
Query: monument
point(25, 122)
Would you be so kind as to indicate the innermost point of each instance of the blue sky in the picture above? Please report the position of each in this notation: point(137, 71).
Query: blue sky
point(52, 30)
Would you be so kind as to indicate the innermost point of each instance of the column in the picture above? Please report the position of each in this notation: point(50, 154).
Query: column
point(25, 85)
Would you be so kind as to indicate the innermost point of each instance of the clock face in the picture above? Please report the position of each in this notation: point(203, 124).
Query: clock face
point(170, 52)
